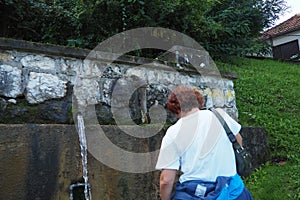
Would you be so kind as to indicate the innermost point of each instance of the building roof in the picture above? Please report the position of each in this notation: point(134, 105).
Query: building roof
point(287, 26)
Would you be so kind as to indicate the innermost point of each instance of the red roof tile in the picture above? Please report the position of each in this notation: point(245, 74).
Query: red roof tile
point(287, 26)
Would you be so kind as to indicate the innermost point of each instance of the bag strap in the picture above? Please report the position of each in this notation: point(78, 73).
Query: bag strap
point(229, 133)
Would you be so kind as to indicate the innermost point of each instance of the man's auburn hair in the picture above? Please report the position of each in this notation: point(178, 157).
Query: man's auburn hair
point(184, 99)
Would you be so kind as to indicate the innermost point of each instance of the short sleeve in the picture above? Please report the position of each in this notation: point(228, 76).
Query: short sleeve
point(234, 126)
point(168, 156)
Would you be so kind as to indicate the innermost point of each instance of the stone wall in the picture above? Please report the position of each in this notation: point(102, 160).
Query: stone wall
point(40, 84)
point(37, 82)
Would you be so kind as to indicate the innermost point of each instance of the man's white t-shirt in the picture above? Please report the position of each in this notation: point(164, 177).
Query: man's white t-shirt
point(198, 146)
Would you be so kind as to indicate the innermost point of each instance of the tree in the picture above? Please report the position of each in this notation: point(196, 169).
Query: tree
point(222, 27)
point(241, 23)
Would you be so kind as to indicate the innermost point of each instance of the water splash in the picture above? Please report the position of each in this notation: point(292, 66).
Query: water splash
point(76, 187)
point(83, 152)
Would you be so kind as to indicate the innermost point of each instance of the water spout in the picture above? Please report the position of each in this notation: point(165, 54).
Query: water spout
point(83, 151)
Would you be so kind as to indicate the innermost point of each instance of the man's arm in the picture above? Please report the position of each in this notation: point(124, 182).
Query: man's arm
point(239, 139)
point(167, 178)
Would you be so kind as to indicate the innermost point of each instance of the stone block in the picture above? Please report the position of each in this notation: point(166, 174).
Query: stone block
point(38, 62)
point(256, 141)
point(10, 81)
point(43, 86)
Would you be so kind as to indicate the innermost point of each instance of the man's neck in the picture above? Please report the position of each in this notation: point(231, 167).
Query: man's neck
point(184, 114)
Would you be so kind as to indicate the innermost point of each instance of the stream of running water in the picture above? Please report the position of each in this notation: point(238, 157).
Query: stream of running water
point(83, 151)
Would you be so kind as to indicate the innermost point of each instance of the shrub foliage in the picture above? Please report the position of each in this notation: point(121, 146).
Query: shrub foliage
point(222, 27)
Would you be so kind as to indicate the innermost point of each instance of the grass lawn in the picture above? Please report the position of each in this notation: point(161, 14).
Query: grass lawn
point(268, 95)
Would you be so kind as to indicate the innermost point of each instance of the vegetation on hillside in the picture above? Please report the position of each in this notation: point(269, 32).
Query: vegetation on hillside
point(268, 95)
point(222, 27)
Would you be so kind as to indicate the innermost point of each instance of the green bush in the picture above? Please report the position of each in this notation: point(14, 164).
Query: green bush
point(222, 27)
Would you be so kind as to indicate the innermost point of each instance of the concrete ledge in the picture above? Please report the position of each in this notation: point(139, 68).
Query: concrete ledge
point(64, 51)
point(40, 161)
point(35, 47)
